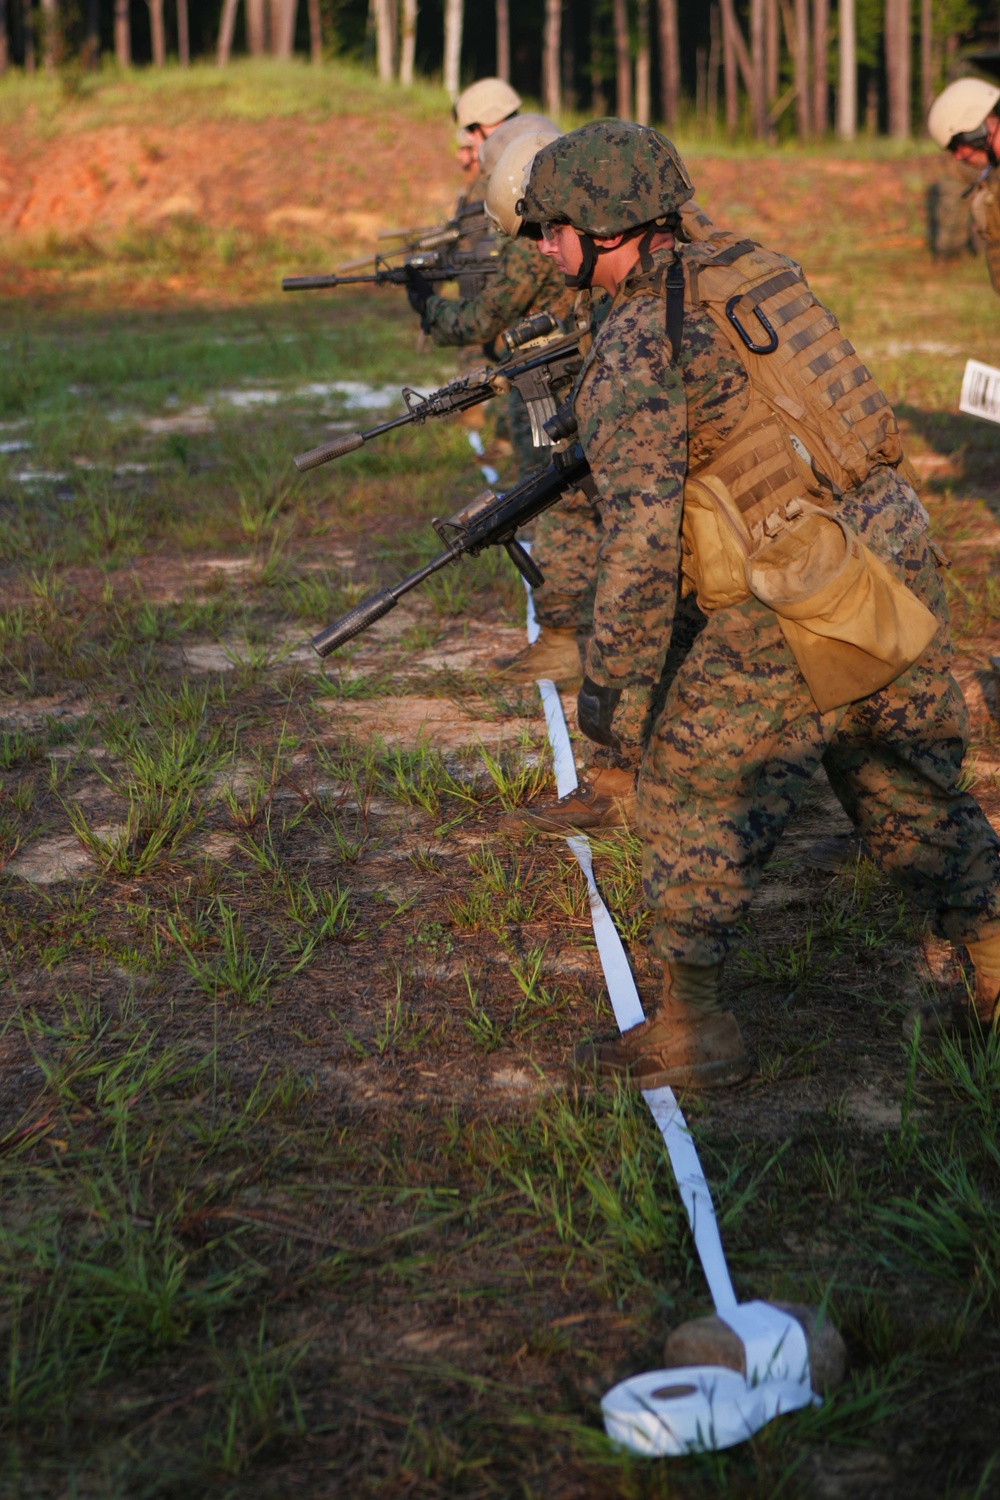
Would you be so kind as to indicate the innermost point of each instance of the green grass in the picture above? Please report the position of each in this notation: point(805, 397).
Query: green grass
point(262, 89)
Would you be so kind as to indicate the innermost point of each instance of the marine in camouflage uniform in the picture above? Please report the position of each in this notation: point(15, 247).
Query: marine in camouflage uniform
point(728, 757)
point(965, 121)
point(524, 283)
point(950, 228)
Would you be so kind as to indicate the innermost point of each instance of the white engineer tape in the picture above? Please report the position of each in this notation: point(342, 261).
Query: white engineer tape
point(476, 444)
point(667, 1413)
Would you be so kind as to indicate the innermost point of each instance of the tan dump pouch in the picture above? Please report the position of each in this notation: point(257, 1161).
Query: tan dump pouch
point(852, 625)
point(715, 544)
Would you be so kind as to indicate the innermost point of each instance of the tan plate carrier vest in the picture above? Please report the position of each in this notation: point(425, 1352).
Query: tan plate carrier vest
point(816, 425)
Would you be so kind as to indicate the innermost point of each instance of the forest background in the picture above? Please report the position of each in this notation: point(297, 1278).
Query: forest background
point(771, 69)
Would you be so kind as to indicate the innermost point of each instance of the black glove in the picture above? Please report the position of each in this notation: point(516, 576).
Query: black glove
point(418, 290)
point(595, 710)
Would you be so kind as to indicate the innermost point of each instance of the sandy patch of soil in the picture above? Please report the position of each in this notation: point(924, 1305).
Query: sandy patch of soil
point(409, 721)
point(50, 860)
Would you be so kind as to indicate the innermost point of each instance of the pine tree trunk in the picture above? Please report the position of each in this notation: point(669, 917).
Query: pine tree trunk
point(730, 78)
point(503, 40)
point(92, 44)
point(598, 99)
point(670, 64)
point(551, 77)
point(897, 60)
point(568, 61)
point(734, 44)
point(123, 35)
point(408, 41)
point(821, 41)
point(453, 18)
point(50, 35)
point(157, 33)
point(871, 104)
point(847, 91)
point(623, 62)
point(758, 65)
point(926, 59)
point(256, 28)
point(772, 50)
point(284, 37)
point(714, 63)
point(800, 55)
point(183, 34)
point(385, 42)
point(642, 65)
point(28, 38)
point(227, 24)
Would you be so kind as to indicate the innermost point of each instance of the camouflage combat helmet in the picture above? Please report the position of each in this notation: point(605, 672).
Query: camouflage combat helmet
point(609, 177)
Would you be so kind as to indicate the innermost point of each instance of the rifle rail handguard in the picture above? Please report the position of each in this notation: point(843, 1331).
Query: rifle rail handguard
point(354, 622)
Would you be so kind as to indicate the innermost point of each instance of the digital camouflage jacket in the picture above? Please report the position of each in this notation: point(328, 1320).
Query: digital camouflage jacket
point(524, 282)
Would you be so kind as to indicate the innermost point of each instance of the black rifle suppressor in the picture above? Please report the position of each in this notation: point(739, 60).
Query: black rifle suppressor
point(559, 360)
point(487, 521)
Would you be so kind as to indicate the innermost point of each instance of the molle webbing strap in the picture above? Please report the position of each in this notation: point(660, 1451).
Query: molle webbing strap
point(756, 465)
point(813, 381)
point(674, 286)
point(756, 295)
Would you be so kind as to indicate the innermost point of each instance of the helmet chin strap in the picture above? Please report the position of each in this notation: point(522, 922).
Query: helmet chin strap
point(582, 279)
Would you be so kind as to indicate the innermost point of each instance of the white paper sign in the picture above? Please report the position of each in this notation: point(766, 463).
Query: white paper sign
point(981, 391)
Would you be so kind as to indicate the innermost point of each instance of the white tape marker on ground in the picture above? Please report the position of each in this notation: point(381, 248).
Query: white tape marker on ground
point(476, 444)
point(671, 1412)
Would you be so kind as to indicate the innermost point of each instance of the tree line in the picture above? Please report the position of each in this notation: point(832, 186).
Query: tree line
point(765, 68)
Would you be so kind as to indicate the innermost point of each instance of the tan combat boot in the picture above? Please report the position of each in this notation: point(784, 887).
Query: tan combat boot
point(985, 957)
point(605, 800)
point(682, 1045)
point(965, 1015)
point(554, 655)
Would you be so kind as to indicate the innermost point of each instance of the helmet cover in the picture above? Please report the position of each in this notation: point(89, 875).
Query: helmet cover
point(606, 178)
point(962, 107)
point(506, 185)
point(486, 102)
point(491, 150)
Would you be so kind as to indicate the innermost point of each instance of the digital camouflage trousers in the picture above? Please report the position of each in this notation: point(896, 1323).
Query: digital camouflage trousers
point(737, 743)
point(567, 538)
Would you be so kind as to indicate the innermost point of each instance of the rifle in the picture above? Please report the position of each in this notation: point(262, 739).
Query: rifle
point(470, 224)
point(487, 521)
point(540, 379)
point(433, 268)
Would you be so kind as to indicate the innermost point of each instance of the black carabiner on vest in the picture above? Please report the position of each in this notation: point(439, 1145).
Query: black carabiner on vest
point(767, 348)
